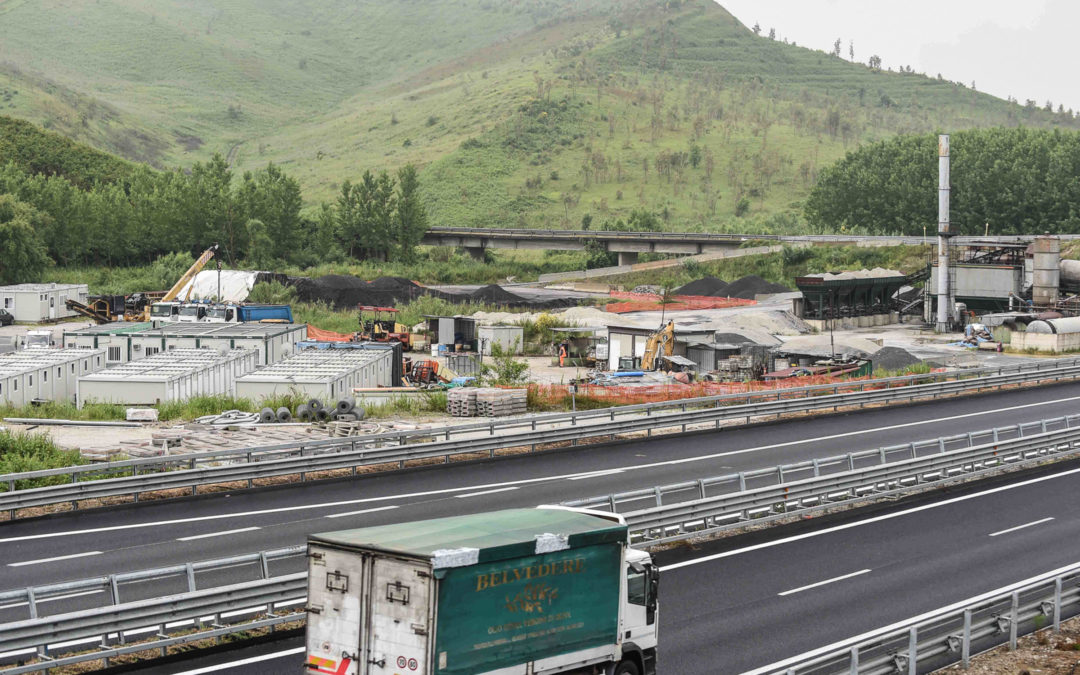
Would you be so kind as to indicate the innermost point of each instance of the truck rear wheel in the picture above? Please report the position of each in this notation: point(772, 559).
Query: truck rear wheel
point(626, 668)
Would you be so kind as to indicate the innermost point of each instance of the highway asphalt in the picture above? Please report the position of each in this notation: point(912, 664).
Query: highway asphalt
point(82, 544)
point(741, 604)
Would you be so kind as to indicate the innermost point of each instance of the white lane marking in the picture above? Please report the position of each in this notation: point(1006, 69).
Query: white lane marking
point(922, 618)
point(526, 481)
point(485, 492)
point(59, 557)
point(1020, 527)
point(217, 534)
point(356, 513)
point(822, 583)
point(244, 662)
point(596, 474)
point(38, 601)
point(875, 519)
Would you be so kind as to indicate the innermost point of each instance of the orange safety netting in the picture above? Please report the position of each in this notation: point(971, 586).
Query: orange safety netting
point(557, 394)
point(320, 335)
point(644, 302)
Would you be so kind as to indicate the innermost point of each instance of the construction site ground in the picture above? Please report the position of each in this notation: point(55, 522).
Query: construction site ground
point(1043, 653)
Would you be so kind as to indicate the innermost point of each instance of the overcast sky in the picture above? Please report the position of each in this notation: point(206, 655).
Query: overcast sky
point(1008, 48)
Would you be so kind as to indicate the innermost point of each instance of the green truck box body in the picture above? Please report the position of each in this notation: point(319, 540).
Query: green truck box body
point(513, 603)
point(498, 614)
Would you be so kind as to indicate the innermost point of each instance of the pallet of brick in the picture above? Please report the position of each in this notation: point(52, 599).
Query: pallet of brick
point(500, 402)
point(461, 402)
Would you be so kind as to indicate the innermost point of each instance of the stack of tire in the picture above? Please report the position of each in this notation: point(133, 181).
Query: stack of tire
point(344, 410)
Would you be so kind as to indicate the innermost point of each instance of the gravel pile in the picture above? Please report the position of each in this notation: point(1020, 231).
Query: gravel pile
point(346, 292)
point(893, 358)
point(706, 286)
point(747, 287)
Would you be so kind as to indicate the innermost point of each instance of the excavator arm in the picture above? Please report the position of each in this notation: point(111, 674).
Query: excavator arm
point(659, 344)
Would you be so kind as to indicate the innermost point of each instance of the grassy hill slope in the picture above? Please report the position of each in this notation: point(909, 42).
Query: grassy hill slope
point(520, 112)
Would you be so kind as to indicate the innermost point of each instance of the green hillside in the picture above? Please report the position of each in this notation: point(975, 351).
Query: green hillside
point(519, 112)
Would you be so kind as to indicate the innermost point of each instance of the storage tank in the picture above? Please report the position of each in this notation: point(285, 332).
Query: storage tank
point(1070, 273)
point(1058, 326)
point(1046, 271)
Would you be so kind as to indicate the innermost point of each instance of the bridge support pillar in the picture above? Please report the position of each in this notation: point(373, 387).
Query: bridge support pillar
point(475, 252)
point(627, 257)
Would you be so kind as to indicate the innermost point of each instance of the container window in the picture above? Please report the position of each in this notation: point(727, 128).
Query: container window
point(29, 380)
point(45, 376)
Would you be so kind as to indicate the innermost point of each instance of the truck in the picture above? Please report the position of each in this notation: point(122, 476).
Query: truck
point(515, 592)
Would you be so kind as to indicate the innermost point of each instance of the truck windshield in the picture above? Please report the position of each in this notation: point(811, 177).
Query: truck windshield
point(189, 311)
point(161, 311)
point(216, 313)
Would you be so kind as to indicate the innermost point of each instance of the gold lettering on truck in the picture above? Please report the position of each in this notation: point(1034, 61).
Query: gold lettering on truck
point(529, 572)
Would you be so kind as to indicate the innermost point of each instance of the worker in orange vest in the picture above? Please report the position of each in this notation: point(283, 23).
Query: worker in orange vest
point(562, 354)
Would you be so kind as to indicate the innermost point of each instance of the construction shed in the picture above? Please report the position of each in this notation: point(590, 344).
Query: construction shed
point(511, 339)
point(40, 374)
point(34, 303)
point(127, 342)
point(175, 375)
point(326, 374)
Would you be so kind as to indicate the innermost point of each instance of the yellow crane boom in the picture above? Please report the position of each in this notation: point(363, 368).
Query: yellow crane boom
point(190, 274)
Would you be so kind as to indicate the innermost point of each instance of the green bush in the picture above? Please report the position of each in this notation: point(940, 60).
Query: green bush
point(21, 452)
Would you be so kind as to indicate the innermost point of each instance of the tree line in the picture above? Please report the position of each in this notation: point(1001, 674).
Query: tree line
point(256, 217)
point(1017, 181)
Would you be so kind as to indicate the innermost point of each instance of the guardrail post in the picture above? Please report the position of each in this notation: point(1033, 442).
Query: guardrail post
point(611, 503)
point(742, 482)
point(31, 605)
point(1014, 618)
point(659, 498)
point(965, 646)
point(913, 651)
point(1057, 605)
point(701, 488)
point(851, 461)
point(817, 467)
point(855, 660)
point(941, 444)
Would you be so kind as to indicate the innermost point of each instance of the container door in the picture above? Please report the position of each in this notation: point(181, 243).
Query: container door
point(400, 623)
point(337, 593)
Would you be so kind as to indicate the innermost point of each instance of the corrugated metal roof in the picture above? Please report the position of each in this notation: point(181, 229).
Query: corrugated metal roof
point(167, 365)
point(192, 330)
point(497, 535)
point(36, 358)
point(317, 365)
point(38, 288)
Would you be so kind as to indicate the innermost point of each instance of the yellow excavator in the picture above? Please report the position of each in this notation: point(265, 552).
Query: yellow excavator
point(166, 304)
point(660, 344)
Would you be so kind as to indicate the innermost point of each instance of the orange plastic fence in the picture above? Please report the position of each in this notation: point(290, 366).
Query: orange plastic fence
point(320, 335)
point(644, 302)
point(552, 394)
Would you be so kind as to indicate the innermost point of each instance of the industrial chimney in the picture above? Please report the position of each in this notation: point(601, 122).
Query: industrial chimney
point(944, 305)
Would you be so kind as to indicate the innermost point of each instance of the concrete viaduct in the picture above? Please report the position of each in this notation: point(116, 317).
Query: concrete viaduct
point(629, 244)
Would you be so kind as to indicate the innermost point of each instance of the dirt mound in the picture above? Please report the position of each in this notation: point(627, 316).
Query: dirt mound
point(496, 295)
point(747, 287)
point(346, 292)
point(704, 286)
point(893, 358)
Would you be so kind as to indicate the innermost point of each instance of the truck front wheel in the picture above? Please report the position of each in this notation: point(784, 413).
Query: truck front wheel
point(626, 668)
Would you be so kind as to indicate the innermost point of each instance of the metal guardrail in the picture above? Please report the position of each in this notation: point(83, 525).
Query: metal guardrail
point(700, 517)
point(301, 459)
point(702, 488)
point(948, 635)
point(113, 622)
